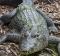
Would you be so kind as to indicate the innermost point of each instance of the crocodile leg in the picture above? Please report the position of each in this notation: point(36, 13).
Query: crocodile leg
point(56, 40)
point(14, 37)
point(58, 48)
point(53, 39)
point(8, 17)
point(49, 21)
point(10, 2)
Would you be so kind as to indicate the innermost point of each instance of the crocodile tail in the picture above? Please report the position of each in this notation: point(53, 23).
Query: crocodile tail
point(47, 18)
point(13, 37)
point(29, 2)
point(8, 17)
point(53, 39)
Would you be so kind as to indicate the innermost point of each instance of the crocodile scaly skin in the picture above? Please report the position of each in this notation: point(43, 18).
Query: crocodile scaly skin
point(33, 28)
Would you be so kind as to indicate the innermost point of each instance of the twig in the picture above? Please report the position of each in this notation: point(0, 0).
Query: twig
point(13, 52)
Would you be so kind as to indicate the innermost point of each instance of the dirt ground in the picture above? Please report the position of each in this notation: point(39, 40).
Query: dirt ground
point(52, 9)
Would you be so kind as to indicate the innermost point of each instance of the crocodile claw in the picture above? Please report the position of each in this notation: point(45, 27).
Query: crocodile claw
point(2, 38)
point(53, 29)
point(1, 23)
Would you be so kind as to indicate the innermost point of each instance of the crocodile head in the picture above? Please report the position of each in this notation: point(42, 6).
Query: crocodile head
point(32, 42)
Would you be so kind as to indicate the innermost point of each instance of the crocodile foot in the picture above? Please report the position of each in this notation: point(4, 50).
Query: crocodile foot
point(53, 29)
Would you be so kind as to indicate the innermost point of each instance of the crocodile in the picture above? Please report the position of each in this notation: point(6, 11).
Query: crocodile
point(32, 28)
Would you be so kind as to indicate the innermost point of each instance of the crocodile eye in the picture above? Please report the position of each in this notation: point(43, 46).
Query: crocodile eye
point(36, 35)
